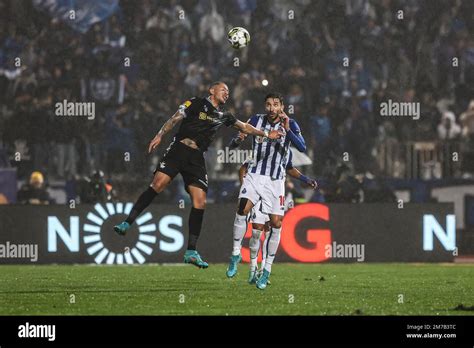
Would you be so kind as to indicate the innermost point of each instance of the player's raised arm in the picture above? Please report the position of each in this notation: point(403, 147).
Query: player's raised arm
point(293, 132)
point(169, 124)
point(295, 173)
point(247, 128)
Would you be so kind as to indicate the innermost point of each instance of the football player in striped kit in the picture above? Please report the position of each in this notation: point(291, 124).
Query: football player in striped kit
point(265, 180)
point(260, 221)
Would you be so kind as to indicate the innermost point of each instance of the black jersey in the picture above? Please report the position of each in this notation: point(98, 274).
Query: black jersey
point(202, 121)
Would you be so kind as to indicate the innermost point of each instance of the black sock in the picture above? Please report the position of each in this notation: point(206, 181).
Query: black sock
point(143, 201)
point(195, 223)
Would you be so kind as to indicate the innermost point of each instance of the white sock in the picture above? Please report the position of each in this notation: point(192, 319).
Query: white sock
point(272, 246)
point(240, 227)
point(264, 249)
point(254, 245)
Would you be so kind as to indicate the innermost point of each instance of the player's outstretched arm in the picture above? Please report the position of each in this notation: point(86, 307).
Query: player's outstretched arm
point(236, 141)
point(295, 173)
point(169, 124)
point(247, 128)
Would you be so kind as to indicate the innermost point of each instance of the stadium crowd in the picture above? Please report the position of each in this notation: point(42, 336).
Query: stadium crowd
point(335, 62)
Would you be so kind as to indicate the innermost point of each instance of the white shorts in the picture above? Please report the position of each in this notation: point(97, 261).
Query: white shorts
point(271, 192)
point(256, 215)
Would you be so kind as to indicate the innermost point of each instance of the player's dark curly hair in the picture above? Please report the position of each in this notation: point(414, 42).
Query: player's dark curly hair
point(274, 95)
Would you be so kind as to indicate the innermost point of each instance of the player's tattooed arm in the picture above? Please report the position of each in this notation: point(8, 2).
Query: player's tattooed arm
point(169, 125)
point(247, 128)
point(236, 141)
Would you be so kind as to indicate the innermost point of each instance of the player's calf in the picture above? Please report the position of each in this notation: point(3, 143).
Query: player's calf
point(254, 245)
point(160, 181)
point(271, 249)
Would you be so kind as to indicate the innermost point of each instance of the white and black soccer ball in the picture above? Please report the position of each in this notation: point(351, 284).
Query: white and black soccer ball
point(238, 37)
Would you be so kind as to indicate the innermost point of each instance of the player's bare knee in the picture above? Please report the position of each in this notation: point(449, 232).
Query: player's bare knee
point(244, 207)
point(157, 186)
point(275, 223)
point(259, 227)
point(200, 203)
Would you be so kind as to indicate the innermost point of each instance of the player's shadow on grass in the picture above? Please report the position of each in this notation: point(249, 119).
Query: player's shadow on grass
point(461, 307)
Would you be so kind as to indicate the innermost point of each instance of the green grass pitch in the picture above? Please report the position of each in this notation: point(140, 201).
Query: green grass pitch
point(296, 289)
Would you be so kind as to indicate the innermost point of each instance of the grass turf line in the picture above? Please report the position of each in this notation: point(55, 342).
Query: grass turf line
point(296, 289)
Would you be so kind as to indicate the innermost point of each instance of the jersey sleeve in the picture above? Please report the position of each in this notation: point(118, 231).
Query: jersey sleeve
point(253, 120)
point(289, 164)
point(230, 120)
point(189, 106)
point(294, 134)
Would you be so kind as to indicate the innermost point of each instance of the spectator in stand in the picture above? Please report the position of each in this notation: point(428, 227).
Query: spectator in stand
point(448, 129)
point(467, 121)
point(35, 191)
point(248, 109)
point(241, 91)
point(320, 137)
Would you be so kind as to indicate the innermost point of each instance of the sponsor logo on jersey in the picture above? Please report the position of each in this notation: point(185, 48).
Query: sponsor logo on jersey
point(260, 140)
point(205, 117)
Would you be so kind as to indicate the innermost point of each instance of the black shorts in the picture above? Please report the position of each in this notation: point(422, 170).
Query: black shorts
point(180, 158)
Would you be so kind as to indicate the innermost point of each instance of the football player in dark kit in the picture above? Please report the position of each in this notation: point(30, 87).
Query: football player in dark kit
point(201, 119)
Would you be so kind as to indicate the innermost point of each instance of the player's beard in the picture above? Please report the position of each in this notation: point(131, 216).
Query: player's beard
point(273, 117)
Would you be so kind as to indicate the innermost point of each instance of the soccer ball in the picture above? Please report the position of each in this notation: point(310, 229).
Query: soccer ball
point(238, 37)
